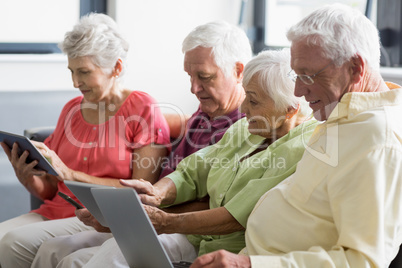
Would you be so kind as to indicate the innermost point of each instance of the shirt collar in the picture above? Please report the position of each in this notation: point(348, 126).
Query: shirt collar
point(224, 120)
point(353, 103)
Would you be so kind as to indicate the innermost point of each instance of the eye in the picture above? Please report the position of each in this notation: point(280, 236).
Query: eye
point(204, 77)
point(253, 103)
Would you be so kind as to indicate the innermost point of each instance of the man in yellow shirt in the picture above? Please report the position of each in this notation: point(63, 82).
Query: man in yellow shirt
point(341, 208)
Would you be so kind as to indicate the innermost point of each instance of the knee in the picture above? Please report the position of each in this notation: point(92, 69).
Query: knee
point(47, 250)
point(53, 251)
point(7, 243)
point(13, 252)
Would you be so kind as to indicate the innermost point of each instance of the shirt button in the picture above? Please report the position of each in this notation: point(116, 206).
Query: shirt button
point(160, 130)
point(85, 158)
point(90, 143)
point(94, 128)
point(221, 195)
point(201, 126)
point(234, 169)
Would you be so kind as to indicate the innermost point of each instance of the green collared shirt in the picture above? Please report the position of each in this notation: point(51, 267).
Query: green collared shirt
point(219, 171)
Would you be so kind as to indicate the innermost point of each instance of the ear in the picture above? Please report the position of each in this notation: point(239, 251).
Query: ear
point(118, 67)
point(292, 111)
point(239, 68)
point(357, 68)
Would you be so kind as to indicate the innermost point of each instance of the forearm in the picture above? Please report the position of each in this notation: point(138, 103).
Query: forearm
point(216, 221)
point(43, 187)
point(197, 205)
point(83, 177)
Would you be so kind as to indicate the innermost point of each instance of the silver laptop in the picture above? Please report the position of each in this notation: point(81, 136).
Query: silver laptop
point(82, 191)
point(132, 229)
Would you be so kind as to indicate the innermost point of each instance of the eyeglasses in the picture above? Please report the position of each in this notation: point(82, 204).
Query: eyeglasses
point(306, 79)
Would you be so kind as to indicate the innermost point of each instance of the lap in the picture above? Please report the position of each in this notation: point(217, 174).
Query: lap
point(19, 221)
point(177, 247)
point(39, 231)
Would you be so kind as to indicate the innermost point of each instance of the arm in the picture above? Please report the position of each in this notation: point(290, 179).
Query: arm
point(196, 205)
point(216, 221)
point(153, 154)
point(177, 124)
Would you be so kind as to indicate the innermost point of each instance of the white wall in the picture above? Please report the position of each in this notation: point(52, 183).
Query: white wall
point(155, 30)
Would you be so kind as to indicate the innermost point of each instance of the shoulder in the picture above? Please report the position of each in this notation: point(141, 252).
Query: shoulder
point(141, 96)
point(139, 102)
point(74, 101)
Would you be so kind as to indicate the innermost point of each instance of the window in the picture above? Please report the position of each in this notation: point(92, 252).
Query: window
point(273, 18)
point(37, 26)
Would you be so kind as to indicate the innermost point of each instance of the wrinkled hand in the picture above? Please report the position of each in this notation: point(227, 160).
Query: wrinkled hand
point(22, 170)
point(64, 172)
point(158, 218)
point(86, 217)
point(146, 191)
point(222, 258)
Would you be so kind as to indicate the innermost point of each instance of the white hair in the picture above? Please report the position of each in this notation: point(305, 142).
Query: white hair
point(229, 44)
point(271, 67)
point(96, 35)
point(342, 32)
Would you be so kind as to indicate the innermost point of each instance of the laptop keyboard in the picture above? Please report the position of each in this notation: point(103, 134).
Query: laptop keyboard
point(181, 264)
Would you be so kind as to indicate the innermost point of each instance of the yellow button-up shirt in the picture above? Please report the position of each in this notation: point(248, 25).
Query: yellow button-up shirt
point(343, 205)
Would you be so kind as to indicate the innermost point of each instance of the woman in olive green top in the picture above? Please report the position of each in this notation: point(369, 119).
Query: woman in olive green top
point(253, 156)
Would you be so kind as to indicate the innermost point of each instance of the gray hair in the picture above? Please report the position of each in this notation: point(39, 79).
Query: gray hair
point(271, 68)
point(342, 32)
point(96, 35)
point(229, 44)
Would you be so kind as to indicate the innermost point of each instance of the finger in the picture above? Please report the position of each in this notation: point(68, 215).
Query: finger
point(14, 152)
point(40, 145)
point(148, 200)
point(141, 186)
point(38, 172)
point(6, 150)
point(202, 261)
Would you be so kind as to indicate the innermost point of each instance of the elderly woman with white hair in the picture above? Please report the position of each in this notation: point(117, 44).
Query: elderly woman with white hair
point(254, 155)
point(95, 140)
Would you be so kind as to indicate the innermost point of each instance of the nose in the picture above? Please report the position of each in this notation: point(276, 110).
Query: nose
point(195, 86)
point(76, 81)
point(300, 89)
point(244, 107)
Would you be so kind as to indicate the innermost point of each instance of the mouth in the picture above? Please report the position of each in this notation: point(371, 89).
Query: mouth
point(314, 102)
point(203, 98)
point(84, 91)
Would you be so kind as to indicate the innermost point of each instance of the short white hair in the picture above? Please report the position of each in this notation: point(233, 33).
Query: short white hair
point(342, 32)
point(229, 44)
point(96, 35)
point(271, 67)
